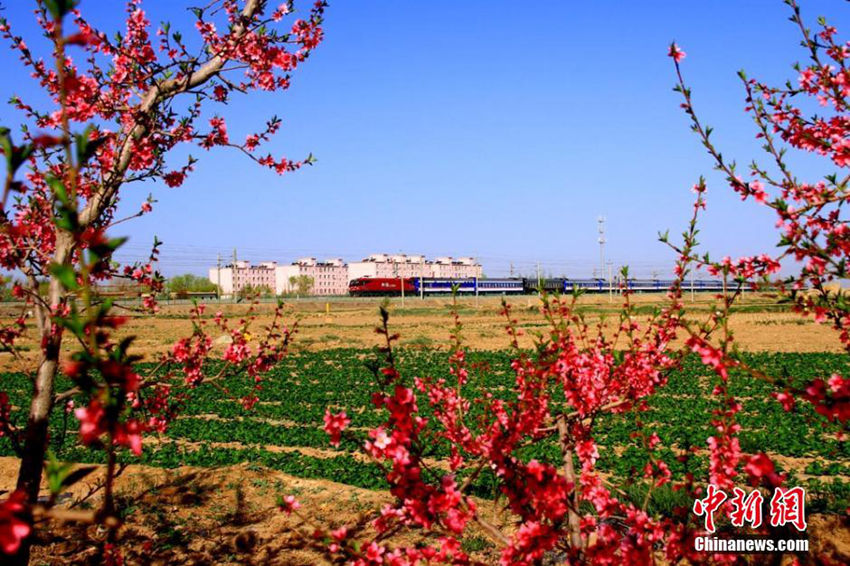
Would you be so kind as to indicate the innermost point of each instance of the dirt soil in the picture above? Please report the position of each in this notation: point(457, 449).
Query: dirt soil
point(197, 517)
point(760, 324)
point(194, 517)
point(229, 515)
point(426, 323)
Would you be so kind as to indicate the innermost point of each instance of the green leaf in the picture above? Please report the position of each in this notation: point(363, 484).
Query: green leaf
point(106, 249)
point(15, 156)
point(19, 156)
point(58, 8)
point(6, 145)
point(87, 147)
point(61, 475)
point(58, 188)
point(56, 472)
point(66, 217)
point(66, 275)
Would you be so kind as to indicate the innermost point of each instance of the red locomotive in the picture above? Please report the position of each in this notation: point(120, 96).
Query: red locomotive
point(377, 286)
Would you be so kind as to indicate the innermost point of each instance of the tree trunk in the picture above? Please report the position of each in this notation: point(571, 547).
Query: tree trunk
point(574, 521)
point(43, 395)
point(35, 439)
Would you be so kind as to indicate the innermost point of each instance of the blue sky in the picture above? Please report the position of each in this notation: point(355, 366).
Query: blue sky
point(486, 128)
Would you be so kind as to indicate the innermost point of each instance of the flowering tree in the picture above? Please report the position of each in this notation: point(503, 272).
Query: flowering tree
point(120, 104)
point(565, 509)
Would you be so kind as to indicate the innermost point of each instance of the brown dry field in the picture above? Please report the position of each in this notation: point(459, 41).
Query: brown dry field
point(350, 323)
point(759, 323)
point(191, 516)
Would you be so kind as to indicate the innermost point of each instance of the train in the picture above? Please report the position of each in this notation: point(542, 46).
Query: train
point(415, 286)
point(386, 286)
point(565, 285)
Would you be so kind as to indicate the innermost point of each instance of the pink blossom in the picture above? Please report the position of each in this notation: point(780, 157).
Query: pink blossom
point(288, 504)
point(13, 527)
point(676, 53)
point(335, 424)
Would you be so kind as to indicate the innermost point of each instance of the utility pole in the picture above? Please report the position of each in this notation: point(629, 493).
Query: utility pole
point(233, 271)
point(693, 293)
point(218, 277)
point(400, 280)
point(474, 282)
point(422, 279)
point(601, 222)
point(539, 283)
point(611, 282)
point(512, 269)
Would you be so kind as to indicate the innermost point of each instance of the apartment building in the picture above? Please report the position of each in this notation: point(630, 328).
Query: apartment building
point(460, 268)
point(402, 265)
point(331, 277)
point(235, 277)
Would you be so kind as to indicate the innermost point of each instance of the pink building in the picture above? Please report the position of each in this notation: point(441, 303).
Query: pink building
point(460, 268)
point(402, 265)
point(235, 277)
point(329, 277)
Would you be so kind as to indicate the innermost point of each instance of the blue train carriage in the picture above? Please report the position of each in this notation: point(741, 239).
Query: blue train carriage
point(644, 285)
point(661, 285)
point(554, 284)
point(507, 286)
point(564, 285)
point(594, 285)
point(706, 285)
point(472, 285)
point(549, 285)
point(432, 286)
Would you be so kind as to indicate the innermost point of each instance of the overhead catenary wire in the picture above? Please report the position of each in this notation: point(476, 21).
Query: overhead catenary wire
point(200, 258)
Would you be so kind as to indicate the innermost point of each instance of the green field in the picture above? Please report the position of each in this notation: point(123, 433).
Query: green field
point(294, 399)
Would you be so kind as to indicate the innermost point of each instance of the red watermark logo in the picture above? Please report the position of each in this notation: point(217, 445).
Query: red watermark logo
point(787, 507)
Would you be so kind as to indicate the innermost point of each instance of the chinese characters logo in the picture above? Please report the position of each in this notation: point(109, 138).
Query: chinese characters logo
point(787, 507)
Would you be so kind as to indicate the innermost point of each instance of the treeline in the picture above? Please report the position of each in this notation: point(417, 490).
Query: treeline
point(178, 287)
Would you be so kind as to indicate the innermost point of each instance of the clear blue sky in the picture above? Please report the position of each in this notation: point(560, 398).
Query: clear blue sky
point(487, 128)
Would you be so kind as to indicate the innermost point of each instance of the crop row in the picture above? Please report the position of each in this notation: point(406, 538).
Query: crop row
point(299, 391)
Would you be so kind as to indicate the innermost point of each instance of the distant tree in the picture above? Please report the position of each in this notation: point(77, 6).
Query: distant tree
point(254, 291)
point(7, 287)
point(187, 283)
point(120, 288)
point(302, 284)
